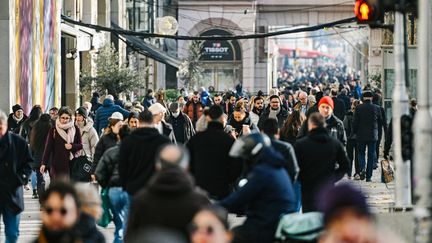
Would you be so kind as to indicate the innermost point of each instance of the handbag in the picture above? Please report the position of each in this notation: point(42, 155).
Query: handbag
point(81, 168)
point(387, 172)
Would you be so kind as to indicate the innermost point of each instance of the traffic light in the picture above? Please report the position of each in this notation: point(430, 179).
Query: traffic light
point(369, 12)
point(407, 137)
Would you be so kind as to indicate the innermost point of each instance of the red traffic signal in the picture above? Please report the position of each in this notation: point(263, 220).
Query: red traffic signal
point(369, 11)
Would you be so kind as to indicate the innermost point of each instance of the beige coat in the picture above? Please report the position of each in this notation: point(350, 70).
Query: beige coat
point(89, 138)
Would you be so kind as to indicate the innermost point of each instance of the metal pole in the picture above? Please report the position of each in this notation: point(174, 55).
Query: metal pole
point(423, 130)
point(400, 107)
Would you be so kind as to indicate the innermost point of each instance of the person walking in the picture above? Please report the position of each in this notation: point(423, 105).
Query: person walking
point(275, 111)
point(88, 133)
point(181, 124)
point(318, 167)
point(304, 104)
point(240, 121)
point(107, 174)
point(194, 108)
point(15, 170)
point(28, 124)
point(365, 125)
point(62, 143)
point(291, 127)
point(214, 170)
point(16, 119)
point(149, 99)
point(351, 146)
point(105, 111)
point(109, 139)
point(265, 194)
point(257, 110)
point(158, 111)
point(37, 139)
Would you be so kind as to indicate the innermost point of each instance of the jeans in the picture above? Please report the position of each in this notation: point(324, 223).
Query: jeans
point(119, 206)
point(11, 222)
point(371, 146)
point(39, 182)
point(33, 180)
point(297, 191)
point(352, 153)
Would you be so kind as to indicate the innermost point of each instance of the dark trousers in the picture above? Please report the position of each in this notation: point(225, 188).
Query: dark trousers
point(352, 152)
point(378, 146)
point(40, 185)
point(371, 158)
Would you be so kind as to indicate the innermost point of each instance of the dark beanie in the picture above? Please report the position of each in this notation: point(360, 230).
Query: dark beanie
point(82, 111)
point(16, 107)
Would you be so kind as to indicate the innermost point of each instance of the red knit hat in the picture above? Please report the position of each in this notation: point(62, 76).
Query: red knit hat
point(326, 100)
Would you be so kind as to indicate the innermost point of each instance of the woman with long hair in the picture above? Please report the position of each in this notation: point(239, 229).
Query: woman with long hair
point(37, 140)
point(351, 147)
point(290, 129)
point(88, 133)
point(62, 144)
point(27, 126)
point(109, 139)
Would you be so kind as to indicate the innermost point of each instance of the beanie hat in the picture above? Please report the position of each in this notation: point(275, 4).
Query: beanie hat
point(16, 108)
point(326, 100)
point(82, 111)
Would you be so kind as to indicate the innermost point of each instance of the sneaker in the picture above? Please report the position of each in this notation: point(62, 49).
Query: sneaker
point(368, 180)
point(27, 187)
point(375, 166)
point(362, 175)
point(357, 177)
point(35, 196)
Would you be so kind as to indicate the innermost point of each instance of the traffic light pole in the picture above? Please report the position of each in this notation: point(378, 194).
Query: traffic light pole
point(400, 107)
point(423, 129)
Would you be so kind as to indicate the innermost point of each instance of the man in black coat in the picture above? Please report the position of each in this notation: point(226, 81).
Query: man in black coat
point(170, 186)
point(15, 159)
point(318, 154)
point(275, 110)
point(137, 154)
point(366, 120)
point(16, 119)
point(214, 170)
point(339, 105)
point(181, 124)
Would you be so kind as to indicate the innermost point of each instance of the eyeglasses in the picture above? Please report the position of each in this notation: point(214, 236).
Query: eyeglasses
point(65, 118)
point(49, 210)
point(193, 228)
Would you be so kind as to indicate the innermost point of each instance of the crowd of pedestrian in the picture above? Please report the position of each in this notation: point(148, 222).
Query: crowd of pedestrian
point(177, 169)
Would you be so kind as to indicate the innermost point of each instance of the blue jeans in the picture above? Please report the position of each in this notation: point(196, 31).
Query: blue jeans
point(119, 206)
point(297, 191)
point(11, 222)
point(371, 147)
point(33, 180)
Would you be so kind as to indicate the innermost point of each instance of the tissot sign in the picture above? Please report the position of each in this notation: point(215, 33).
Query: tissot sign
point(217, 50)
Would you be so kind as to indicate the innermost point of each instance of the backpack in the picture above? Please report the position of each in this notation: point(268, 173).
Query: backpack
point(297, 227)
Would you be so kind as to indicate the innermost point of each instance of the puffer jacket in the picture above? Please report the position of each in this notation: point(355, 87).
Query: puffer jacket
point(104, 112)
point(89, 138)
point(107, 172)
point(106, 141)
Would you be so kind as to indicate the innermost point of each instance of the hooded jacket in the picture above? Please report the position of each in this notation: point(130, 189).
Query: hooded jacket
point(89, 138)
point(137, 158)
point(86, 228)
point(156, 202)
point(104, 112)
point(267, 195)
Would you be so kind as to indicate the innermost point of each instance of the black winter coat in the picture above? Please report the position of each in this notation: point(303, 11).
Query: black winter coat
point(238, 126)
point(182, 127)
point(366, 119)
point(348, 124)
point(168, 132)
point(86, 228)
point(137, 158)
point(335, 128)
point(317, 155)
point(15, 159)
point(281, 117)
point(105, 142)
point(13, 125)
point(288, 154)
point(339, 108)
point(210, 164)
point(170, 200)
point(107, 173)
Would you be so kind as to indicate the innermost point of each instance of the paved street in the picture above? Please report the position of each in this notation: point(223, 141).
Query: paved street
point(379, 196)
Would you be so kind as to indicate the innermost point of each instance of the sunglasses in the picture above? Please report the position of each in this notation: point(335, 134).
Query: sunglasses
point(49, 210)
point(193, 228)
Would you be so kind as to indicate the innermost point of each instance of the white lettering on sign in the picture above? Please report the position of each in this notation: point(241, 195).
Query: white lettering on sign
point(216, 49)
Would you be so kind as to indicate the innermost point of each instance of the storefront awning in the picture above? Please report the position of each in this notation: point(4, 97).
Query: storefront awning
point(149, 50)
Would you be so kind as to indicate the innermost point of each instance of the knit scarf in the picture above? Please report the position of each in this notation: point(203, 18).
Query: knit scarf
point(273, 113)
point(17, 119)
point(70, 135)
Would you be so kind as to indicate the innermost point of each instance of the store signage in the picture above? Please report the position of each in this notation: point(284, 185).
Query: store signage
point(217, 50)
